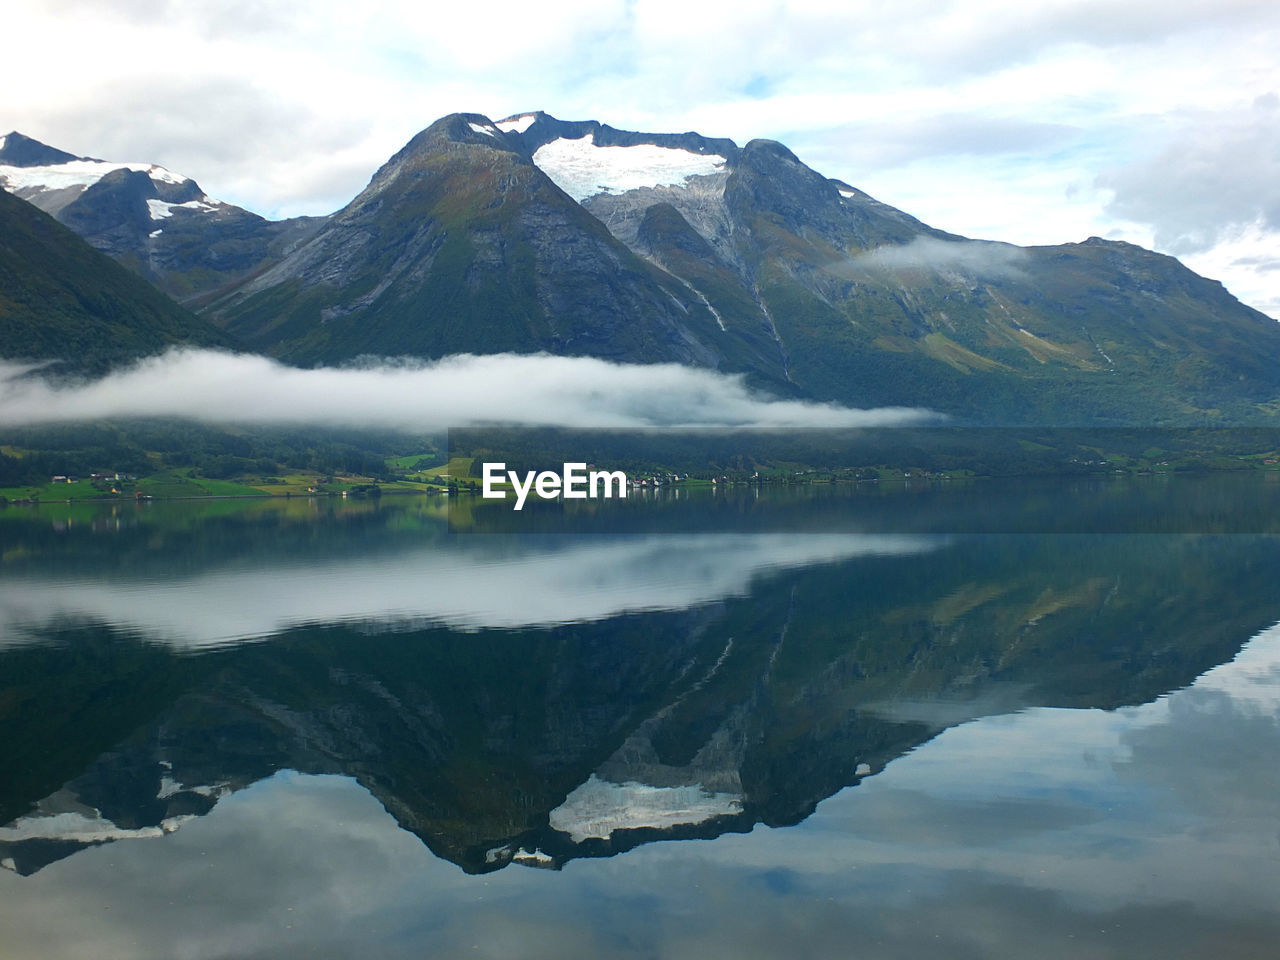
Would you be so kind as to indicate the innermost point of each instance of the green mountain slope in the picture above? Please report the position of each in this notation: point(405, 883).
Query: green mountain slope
point(873, 309)
point(62, 300)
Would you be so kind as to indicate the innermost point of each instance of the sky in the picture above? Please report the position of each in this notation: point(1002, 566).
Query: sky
point(1044, 122)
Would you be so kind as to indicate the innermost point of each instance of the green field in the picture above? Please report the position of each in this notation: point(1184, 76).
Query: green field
point(458, 468)
point(171, 485)
point(160, 485)
point(80, 490)
point(410, 463)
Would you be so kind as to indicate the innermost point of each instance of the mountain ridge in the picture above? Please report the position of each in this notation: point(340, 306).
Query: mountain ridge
point(159, 224)
point(534, 234)
point(460, 243)
point(19, 150)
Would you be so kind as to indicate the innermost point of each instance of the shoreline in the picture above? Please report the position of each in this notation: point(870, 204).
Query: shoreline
point(677, 485)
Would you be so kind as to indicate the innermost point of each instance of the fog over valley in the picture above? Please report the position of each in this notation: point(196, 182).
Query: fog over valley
point(537, 390)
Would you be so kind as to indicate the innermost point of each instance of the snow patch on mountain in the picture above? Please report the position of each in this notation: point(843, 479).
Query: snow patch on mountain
point(582, 169)
point(160, 209)
point(161, 175)
point(512, 124)
point(478, 128)
point(75, 173)
point(597, 808)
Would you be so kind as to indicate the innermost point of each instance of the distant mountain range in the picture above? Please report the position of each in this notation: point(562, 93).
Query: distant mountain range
point(159, 224)
point(534, 234)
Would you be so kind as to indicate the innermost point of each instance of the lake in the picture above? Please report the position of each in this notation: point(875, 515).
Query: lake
point(987, 719)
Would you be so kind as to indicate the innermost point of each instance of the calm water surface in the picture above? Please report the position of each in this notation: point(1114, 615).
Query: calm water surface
point(326, 729)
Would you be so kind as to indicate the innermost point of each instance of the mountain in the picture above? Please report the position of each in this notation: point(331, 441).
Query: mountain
point(535, 234)
point(460, 243)
point(62, 300)
point(157, 223)
point(538, 234)
point(871, 306)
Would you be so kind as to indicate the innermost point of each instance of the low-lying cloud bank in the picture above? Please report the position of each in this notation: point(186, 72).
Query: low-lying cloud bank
point(981, 258)
point(538, 390)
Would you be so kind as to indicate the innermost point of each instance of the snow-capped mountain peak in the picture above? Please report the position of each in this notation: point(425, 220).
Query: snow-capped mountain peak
point(78, 175)
point(159, 221)
point(517, 123)
point(52, 179)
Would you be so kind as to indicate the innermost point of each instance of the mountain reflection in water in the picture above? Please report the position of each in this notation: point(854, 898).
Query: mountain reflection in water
point(540, 700)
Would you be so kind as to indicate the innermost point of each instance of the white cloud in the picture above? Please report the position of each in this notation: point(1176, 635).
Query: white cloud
point(457, 391)
point(976, 258)
point(1219, 175)
point(1249, 258)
